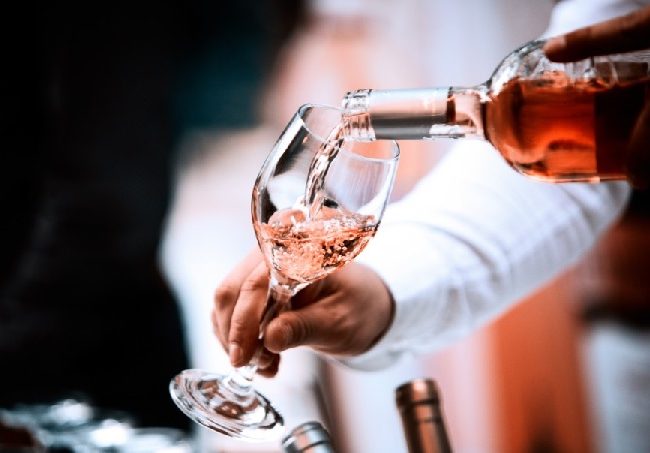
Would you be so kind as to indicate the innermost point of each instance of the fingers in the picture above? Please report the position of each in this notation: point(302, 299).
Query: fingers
point(310, 321)
point(331, 316)
point(638, 162)
point(227, 294)
point(337, 320)
point(328, 327)
point(243, 335)
point(622, 34)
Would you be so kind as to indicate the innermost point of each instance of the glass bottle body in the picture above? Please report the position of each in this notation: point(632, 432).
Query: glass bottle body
point(551, 121)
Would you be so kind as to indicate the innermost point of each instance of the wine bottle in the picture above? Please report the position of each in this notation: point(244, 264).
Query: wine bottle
point(418, 402)
point(308, 437)
point(553, 121)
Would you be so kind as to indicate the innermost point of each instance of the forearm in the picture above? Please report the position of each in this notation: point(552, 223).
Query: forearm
point(475, 237)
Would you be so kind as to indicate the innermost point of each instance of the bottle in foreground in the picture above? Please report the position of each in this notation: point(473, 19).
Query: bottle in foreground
point(309, 437)
point(419, 406)
point(557, 122)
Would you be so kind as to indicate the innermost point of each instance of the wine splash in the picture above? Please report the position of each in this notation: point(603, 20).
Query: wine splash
point(314, 196)
point(305, 243)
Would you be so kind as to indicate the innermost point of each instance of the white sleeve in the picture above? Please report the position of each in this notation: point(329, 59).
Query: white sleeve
point(472, 238)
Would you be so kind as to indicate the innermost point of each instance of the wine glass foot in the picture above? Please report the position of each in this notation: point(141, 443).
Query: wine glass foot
point(208, 399)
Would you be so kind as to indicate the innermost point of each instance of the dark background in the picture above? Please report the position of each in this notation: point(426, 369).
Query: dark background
point(95, 99)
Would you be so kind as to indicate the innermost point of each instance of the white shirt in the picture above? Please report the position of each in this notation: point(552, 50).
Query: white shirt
point(474, 236)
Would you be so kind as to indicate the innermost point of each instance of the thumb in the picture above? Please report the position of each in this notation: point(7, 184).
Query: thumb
point(291, 329)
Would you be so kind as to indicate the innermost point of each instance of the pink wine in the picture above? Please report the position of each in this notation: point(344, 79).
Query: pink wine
point(303, 250)
point(550, 121)
point(554, 129)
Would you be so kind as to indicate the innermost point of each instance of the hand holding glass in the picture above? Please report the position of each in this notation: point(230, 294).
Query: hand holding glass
point(316, 203)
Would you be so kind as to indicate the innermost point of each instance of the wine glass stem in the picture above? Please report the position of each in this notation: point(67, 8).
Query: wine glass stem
point(278, 300)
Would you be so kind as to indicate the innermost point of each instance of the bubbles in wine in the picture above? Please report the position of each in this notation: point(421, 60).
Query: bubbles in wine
point(302, 249)
point(316, 236)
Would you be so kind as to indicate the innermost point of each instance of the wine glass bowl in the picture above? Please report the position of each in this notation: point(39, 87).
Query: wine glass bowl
point(349, 185)
point(317, 201)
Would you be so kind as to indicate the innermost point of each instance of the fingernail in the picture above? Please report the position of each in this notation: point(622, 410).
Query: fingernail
point(555, 44)
point(234, 353)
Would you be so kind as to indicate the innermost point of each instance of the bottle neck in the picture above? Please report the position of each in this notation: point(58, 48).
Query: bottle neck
point(415, 114)
point(308, 437)
point(420, 410)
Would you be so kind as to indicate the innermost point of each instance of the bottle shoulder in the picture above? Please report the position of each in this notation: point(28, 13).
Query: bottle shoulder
point(529, 62)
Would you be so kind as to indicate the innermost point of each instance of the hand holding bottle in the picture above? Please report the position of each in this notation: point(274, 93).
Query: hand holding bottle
point(344, 314)
point(624, 34)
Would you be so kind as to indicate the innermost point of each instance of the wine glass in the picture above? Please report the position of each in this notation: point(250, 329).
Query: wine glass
point(317, 201)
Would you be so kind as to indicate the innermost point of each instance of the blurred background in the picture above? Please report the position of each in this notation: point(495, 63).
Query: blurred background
point(134, 133)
